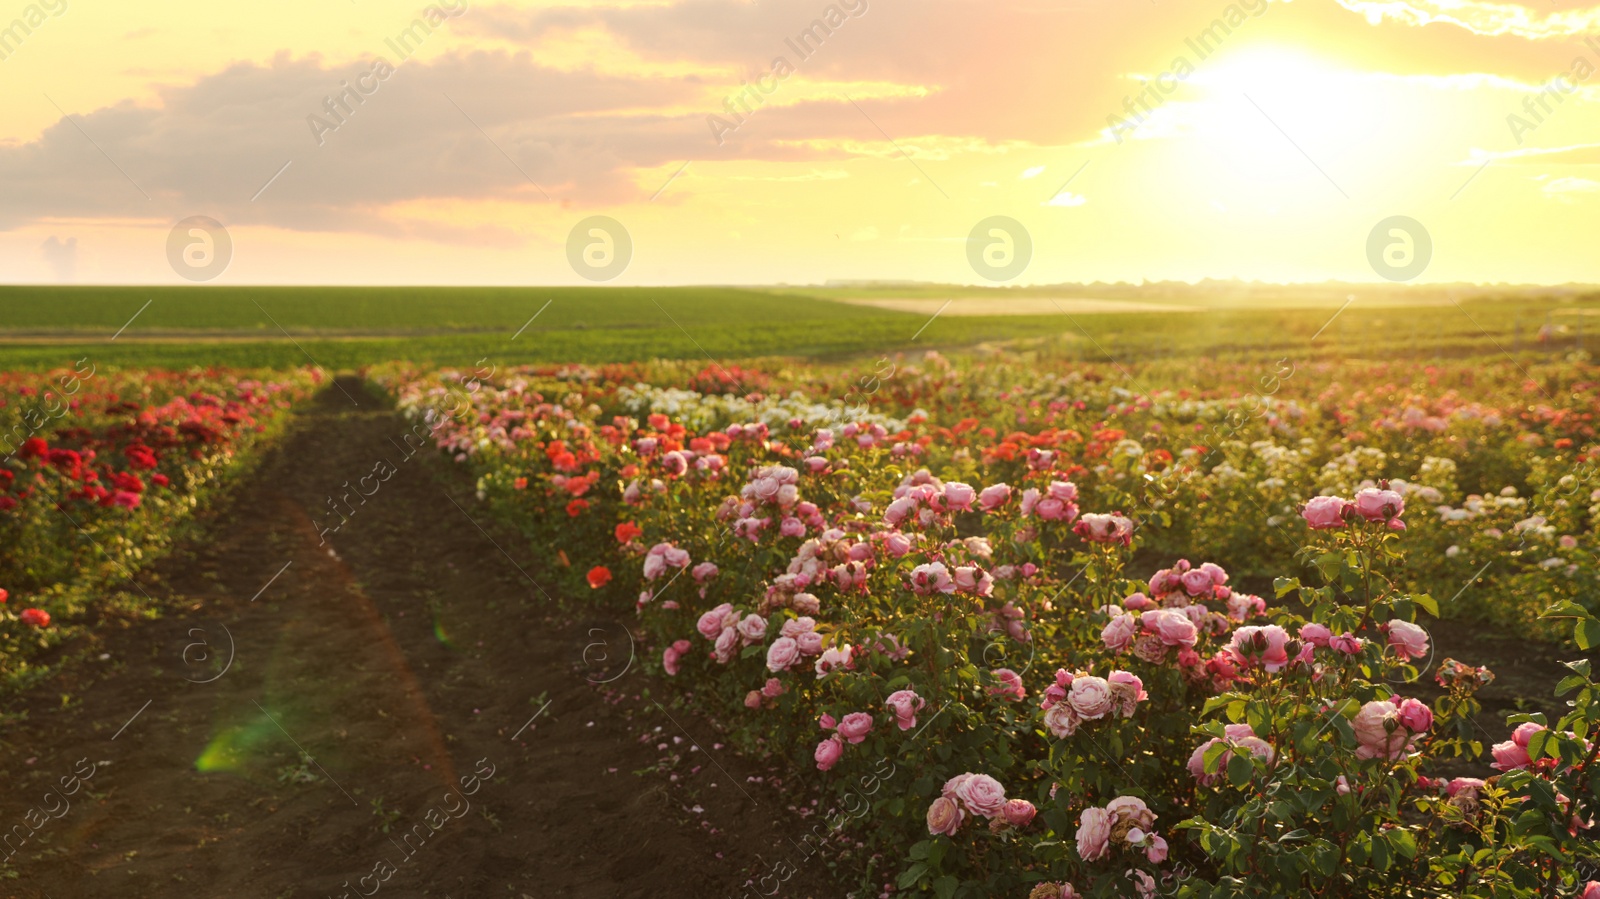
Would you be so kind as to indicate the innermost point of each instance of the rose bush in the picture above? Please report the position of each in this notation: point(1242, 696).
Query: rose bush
point(954, 590)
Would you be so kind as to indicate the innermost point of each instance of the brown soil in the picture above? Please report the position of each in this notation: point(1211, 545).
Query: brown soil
point(414, 649)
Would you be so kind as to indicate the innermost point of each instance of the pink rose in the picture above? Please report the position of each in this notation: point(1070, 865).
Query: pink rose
point(752, 700)
point(782, 654)
point(1409, 640)
point(828, 753)
point(897, 544)
point(1094, 834)
point(982, 795)
point(1524, 733)
point(1591, 890)
point(1090, 697)
point(958, 495)
point(1349, 644)
point(810, 643)
point(1379, 732)
point(904, 705)
point(899, 510)
point(1061, 720)
point(1508, 756)
point(1128, 691)
point(791, 527)
point(1323, 513)
point(1415, 715)
point(753, 628)
point(1171, 626)
point(794, 627)
point(711, 623)
point(669, 660)
point(727, 643)
point(855, 726)
point(1315, 634)
point(1119, 632)
point(1156, 852)
point(944, 817)
point(993, 497)
point(931, 577)
point(1379, 505)
point(1030, 498)
point(773, 688)
point(1019, 812)
point(1010, 687)
point(703, 572)
point(1197, 582)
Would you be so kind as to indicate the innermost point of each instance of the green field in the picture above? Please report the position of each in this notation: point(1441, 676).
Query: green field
point(344, 328)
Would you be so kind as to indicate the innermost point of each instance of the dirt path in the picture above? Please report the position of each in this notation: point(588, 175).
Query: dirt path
point(400, 705)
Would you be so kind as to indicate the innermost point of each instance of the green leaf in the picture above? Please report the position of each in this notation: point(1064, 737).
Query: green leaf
point(1427, 603)
point(1285, 585)
point(1587, 633)
point(1240, 768)
point(945, 886)
point(912, 874)
point(919, 851)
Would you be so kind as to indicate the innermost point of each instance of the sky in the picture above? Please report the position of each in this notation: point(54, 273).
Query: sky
point(798, 141)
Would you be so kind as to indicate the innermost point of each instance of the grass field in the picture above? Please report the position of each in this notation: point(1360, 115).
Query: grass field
point(343, 328)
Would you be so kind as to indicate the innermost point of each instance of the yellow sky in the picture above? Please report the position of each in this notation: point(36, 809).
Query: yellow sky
point(1270, 138)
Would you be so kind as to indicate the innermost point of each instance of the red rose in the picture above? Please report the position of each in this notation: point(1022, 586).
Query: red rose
point(35, 617)
point(627, 531)
point(576, 507)
point(599, 576)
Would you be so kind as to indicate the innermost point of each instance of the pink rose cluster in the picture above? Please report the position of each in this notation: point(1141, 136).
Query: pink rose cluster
point(976, 795)
point(922, 500)
point(1109, 528)
point(1513, 753)
point(1183, 582)
point(663, 556)
point(797, 638)
point(1378, 505)
point(673, 655)
point(1238, 738)
point(1153, 633)
point(765, 696)
point(1389, 729)
point(773, 485)
point(1125, 822)
point(1079, 697)
point(852, 728)
point(729, 633)
point(1058, 502)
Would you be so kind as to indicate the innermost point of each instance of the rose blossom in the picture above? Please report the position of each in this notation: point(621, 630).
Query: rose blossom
point(1409, 640)
point(711, 623)
point(993, 497)
point(1171, 626)
point(1061, 720)
point(828, 753)
point(1379, 505)
point(958, 496)
point(855, 726)
point(782, 654)
point(1315, 634)
point(1018, 812)
point(1010, 686)
point(1323, 513)
point(1090, 697)
point(1127, 690)
point(981, 795)
point(1094, 834)
point(1118, 633)
point(944, 817)
point(753, 628)
point(904, 705)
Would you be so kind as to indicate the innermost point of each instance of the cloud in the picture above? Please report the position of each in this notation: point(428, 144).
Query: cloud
point(1065, 198)
point(62, 257)
point(1032, 172)
point(1483, 18)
